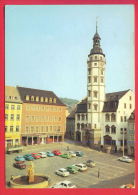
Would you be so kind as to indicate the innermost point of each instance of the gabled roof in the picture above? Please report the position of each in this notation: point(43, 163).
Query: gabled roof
point(12, 95)
point(115, 95)
point(82, 106)
point(37, 92)
point(112, 101)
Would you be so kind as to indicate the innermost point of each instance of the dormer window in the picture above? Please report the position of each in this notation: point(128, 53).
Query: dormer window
point(37, 98)
point(27, 97)
point(41, 99)
point(32, 98)
point(46, 99)
point(54, 100)
point(50, 100)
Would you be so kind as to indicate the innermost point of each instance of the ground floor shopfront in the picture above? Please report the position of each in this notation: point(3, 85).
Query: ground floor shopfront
point(33, 139)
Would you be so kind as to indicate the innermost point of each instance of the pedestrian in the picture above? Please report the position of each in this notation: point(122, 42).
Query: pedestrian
point(99, 173)
point(67, 148)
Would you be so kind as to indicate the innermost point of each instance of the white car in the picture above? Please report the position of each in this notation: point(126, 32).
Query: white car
point(63, 172)
point(64, 184)
point(81, 167)
point(125, 159)
point(43, 154)
point(73, 154)
point(127, 186)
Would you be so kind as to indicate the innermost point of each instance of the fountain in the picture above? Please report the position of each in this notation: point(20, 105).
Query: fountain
point(31, 180)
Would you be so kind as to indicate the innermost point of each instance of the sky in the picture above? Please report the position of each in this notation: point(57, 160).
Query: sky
point(47, 46)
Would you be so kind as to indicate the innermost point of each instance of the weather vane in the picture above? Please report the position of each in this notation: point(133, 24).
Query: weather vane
point(97, 24)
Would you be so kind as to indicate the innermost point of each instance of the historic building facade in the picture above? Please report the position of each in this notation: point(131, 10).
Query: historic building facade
point(13, 116)
point(43, 117)
point(131, 135)
point(101, 119)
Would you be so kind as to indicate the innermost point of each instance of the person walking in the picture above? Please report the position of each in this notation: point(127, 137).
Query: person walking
point(98, 173)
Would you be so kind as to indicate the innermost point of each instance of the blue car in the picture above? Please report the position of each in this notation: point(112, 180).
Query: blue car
point(28, 157)
point(50, 154)
point(19, 158)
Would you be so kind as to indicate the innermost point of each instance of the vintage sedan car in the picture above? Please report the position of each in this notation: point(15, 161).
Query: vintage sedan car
point(50, 154)
point(125, 159)
point(19, 164)
point(56, 152)
point(73, 154)
point(72, 169)
point(36, 155)
point(19, 158)
point(43, 154)
point(81, 167)
point(90, 163)
point(62, 172)
point(64, 184)
point(127, 186)
point(79, 153)
point(28, 157)
point(66, 155)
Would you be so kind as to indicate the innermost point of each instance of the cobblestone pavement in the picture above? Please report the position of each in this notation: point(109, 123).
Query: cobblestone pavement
point(113, 173)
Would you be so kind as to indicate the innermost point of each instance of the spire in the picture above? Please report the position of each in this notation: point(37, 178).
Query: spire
point(96, 42)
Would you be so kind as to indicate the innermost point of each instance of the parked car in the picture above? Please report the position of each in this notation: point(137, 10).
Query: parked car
point(19, 164)
point(90, 163)
point(66, 155)
point(127, 186)
point(73, 154)
point(79, 153)
point(63, 172)
point(36, 155)
point(56, 152)
point(43, 154)
point(19, 158)
point(125, 159)
point(64, 184)
point(81, 166)
point(28, 157)
point(50, 154)
point(72, 169)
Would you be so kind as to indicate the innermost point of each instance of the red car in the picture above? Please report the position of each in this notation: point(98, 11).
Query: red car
point(57, 152)
point(19, 165)
point(36, 155)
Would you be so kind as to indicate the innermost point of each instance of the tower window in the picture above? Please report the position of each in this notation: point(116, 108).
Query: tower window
point(95, 64)
point(89, 71)
point(95, 57)
point(95, 106)
point(95, 94)
point(102, 80)
point(89, 106)
point(89, 79)
point(89, 93)
point(95, 79)
point(101, 71)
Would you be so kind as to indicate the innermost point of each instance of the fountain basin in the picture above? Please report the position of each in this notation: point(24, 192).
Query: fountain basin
point(40, 181)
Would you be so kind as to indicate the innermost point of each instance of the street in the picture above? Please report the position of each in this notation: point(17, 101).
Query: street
point(108, 173)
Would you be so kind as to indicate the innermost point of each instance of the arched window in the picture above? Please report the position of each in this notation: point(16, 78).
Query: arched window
point(107, 117)
point(107, 129)
point(95, 78)
point(78, 117)
point(113, 129)
point(82, 117)
point(82, 126)
point(113, 117)
point(78, 126)
point(95, 106)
